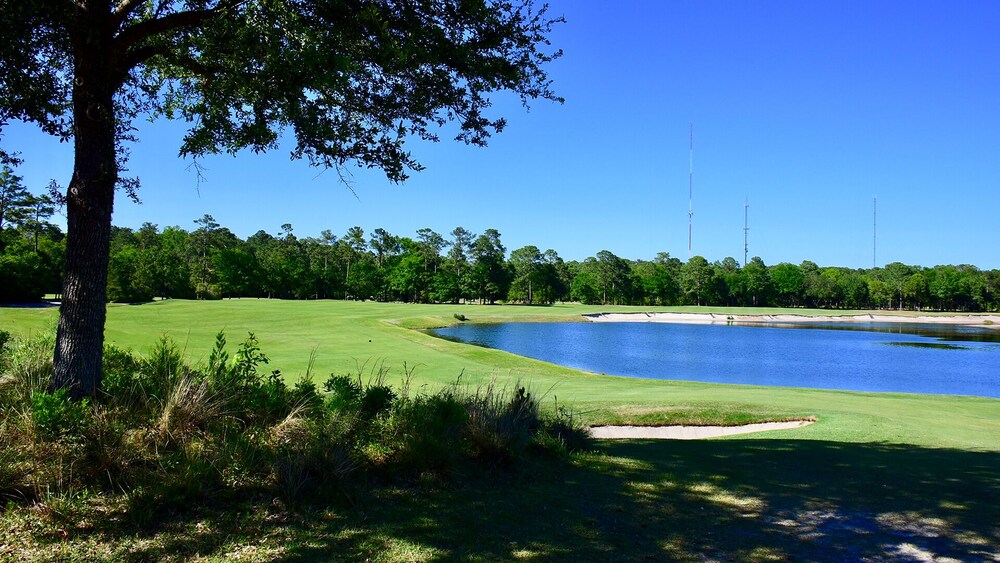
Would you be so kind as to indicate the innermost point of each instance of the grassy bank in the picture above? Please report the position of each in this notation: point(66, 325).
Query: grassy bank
point(880, 476)
point(348, 336)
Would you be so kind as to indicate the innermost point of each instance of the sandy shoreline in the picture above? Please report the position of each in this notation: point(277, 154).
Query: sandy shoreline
point(718, 318)
point(688, 432)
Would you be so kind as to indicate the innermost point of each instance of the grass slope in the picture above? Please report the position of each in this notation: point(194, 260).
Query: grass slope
point(348, 335)
point(879, 477)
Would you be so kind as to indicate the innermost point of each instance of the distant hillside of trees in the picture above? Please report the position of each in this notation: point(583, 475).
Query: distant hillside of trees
point(210, 262)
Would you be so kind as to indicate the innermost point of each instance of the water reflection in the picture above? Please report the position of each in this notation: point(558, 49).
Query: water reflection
point(938, 345)
point(951, 333)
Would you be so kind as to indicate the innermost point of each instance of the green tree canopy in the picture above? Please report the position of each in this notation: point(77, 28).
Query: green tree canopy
point(14, 198)
point(349, 80)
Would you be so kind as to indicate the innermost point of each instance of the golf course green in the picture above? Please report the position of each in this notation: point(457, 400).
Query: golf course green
point(879, 475)
point(346, 337)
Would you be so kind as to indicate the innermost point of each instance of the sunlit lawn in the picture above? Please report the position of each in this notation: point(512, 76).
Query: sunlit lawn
point(347, 336)
point(878, 476)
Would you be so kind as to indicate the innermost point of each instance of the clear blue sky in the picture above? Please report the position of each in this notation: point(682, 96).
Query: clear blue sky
point(810, 109)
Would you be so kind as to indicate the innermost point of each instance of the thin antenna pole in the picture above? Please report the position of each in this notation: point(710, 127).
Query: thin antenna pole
point(746, 229)
point(690, 188)
point(874, 227)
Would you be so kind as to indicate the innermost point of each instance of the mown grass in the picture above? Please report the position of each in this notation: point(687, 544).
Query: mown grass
point(879, 476)
point(345, 335)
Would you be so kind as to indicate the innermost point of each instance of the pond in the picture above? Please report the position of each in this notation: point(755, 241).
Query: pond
point(910, 358)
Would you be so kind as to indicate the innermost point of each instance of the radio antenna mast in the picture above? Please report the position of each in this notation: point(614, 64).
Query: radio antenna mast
point(690, 187)
point(746, 229)
point(874, 226)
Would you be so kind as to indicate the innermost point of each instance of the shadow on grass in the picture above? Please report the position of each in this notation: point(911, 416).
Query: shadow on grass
point(646, 500)
point(752, 499)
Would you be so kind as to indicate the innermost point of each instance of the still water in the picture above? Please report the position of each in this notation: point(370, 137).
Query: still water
point(862, 357)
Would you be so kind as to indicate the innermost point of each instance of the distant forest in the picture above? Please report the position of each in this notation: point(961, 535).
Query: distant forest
point(210, 262)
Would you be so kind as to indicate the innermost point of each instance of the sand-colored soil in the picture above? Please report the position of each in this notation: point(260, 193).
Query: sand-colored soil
point(689, 432)
point(718, 318)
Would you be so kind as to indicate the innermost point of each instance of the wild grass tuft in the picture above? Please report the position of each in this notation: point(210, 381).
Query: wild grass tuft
point(427, 433)
point(26, 367)
point(310, 456)
point(501, 423)
point(164, 436)
point(562, 431)
point(188, 408)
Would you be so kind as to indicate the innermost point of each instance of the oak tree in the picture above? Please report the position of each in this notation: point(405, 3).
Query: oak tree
point(349, 80)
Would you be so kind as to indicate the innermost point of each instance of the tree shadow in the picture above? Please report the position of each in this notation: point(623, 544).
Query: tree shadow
point(742, 500)
point(630, 501)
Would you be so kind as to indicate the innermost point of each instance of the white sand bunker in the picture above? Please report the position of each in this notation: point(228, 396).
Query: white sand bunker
point(689, 432)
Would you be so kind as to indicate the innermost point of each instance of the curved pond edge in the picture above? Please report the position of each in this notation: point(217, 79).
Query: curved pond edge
point(680, 432)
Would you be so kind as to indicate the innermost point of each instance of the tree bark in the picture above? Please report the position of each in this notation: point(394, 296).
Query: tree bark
point(89, 203)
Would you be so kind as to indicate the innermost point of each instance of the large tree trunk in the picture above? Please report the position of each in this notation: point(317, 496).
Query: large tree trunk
point(89, 202)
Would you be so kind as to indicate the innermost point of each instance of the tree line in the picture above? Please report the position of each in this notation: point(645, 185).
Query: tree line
point(32, 250)
point(211, 262)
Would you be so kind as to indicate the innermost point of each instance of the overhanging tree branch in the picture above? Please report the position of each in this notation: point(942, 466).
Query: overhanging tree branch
point(146, 29)
point(353, 79)
point(124, 9)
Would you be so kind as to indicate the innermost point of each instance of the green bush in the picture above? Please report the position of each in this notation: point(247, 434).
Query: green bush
point(311, 456)
point(57, 417)
point(121, 370)
point(375, 401)
point(246, 392)
point(168, 436)
point(305, 394)
point(562, 433)
point(427, 433)
point(501, 428)
point(367, 401)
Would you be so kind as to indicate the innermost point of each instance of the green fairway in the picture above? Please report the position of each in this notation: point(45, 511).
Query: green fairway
point(879, 476)
point(348, 336)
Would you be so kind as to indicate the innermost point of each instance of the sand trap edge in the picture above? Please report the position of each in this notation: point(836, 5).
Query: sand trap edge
point(689, 432)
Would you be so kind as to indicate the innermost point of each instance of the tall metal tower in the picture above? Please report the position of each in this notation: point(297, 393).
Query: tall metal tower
point(874, 226)
point(690, 187)
point(746, 229)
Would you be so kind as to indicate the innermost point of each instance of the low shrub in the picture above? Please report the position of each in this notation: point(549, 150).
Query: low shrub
point(249, 394)
point(343, 393)
point(310, 458)
point(189, 408)
point(501, 426)
point(123, 382)
point(168, 436)
point(56, 417)
point(562, 433)
point(427, 433)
